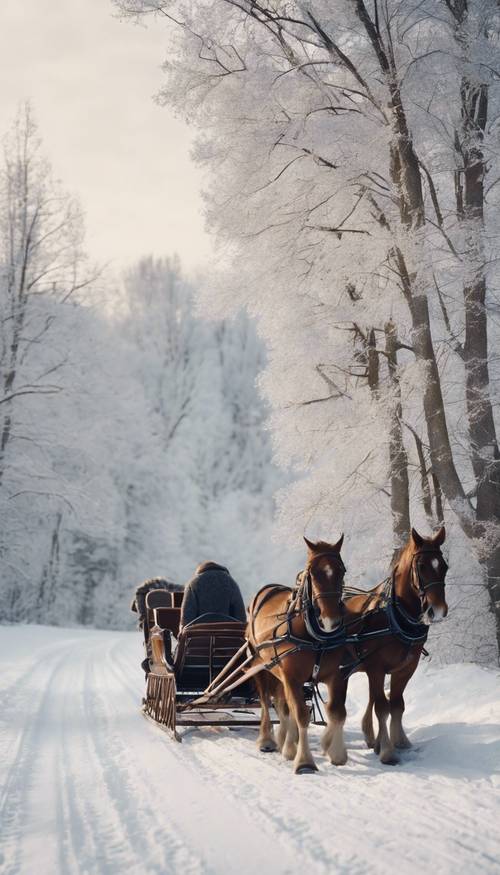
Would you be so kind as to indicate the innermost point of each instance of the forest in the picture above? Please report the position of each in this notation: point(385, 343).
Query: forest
point(352, 153)
point(336, 369)
point(250, 323)
point(133, 438)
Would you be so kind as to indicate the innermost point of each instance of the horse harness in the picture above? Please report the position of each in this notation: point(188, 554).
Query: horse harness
point(400, 624)
point(302, 603)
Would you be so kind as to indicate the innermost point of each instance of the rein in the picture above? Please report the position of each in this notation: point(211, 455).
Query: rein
point(400, 624)
point(407, 629)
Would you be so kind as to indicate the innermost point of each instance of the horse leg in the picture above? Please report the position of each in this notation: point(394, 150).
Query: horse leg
point(332, 741)
point(367, 724)
point(303, 761)
point(399, 681)
point(383, 744)
point(287, 734)
point(265, 741)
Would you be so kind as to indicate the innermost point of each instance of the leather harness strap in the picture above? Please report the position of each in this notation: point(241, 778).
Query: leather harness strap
point(400, 624)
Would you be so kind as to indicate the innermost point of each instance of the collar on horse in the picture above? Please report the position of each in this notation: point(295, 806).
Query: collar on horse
point(401, 625)
point(302, 603)
point(331, 639)
point(408, 629)
point(306, 600)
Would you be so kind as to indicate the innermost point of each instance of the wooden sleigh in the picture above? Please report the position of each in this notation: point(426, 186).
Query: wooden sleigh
point(208, 680)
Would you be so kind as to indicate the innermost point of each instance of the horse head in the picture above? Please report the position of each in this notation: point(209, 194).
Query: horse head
point(426, 571)
point(326, 571)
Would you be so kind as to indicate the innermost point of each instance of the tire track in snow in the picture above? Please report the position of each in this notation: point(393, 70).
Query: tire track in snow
point(292, 826)
point(228, 760)
point(211, 787)
point(92, 837)
point(102, 792)
point(21, 773)
point(245, 797)
point(245, 794)
point(418, 841)
point(161, 849)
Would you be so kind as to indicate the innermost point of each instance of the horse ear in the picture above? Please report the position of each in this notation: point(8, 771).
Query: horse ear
point(439, 537)
point(417, 539)
point(338, 545)
point(311, 545)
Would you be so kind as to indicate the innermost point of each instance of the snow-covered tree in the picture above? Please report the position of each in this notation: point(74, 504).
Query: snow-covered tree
point(43, 271)
point(353, 166)
point(206, 486)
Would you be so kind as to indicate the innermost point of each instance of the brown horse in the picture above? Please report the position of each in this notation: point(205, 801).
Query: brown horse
point(288, 630)
point(415, 599)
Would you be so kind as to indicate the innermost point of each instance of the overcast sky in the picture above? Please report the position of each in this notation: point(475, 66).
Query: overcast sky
point(92, 79)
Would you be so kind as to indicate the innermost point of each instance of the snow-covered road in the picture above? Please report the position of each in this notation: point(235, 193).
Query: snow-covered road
point(88, 786)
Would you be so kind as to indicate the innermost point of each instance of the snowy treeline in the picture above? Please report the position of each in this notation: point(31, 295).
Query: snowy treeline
point(132, 434)
point(352, 153)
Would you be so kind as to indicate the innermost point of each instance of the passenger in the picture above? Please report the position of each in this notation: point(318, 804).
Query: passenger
point(138, 604)
point(213, 592)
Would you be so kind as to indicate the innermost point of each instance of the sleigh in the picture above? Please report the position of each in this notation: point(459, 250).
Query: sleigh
point(183, 687)
point(177, 679)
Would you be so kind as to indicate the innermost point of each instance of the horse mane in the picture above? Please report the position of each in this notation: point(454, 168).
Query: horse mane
point(397, 556)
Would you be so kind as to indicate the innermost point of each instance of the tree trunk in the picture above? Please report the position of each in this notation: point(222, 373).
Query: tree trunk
point(485, 456)
point(405, 172)
point(492, 571)
point(49, 575)
point(400, 489)
point(484, 450)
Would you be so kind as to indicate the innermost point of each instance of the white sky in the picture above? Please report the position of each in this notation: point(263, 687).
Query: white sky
point(92, 79)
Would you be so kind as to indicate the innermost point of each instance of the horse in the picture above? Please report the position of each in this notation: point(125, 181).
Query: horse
point(411, 599)
point(290, 631)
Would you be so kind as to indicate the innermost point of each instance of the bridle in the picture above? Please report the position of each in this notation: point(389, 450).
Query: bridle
point(308, 598)
point(418, 585)
point(302, 602)
point(307, 579)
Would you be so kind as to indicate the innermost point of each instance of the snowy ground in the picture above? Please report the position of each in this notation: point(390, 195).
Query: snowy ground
point(89, 786)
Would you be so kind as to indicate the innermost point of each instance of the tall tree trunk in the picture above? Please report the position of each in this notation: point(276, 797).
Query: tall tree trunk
point(49, 575)
point(400, 488)
point(398, 460)
point(469, 191)
point(406, 176)
point(485, 456)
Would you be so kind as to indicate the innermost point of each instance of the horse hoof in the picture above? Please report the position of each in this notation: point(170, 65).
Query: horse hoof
point(289, 753)
point(404, 745)
point(339, 761)
point(390, 758)
point(306, 769)
point(376, 747)
point(268, 746)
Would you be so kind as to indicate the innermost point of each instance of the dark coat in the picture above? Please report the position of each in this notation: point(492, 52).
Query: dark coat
point(212, 591)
